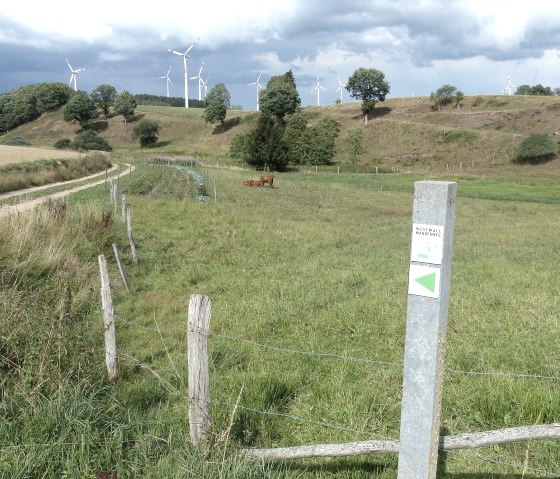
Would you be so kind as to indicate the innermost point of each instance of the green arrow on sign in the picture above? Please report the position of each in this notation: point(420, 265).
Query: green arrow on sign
point(428, 281)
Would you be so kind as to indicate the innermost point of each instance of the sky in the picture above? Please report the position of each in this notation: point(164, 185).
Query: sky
point(419, 45)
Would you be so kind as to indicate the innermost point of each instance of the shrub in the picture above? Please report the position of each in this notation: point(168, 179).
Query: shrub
point(88, 140)
point(16, 141)
point(536, 148)
point(146, 131)
point(63, 144)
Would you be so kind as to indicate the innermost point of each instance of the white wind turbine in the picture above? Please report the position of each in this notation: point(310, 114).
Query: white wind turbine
point(200, 82)
point(168, 80)
point(509, 86)
point(205, 83)
point(340, 87)
point(185, 56)
point(318, 88)
point(259, 87)
point(74, 74)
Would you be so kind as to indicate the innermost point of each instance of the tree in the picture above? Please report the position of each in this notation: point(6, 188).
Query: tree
point(80, 109)
point(104, 97)
point(298, 138)
point(146, 131)
point(89, 140)
point(239, 147)
point(51, 96)
point(266, 147)
point(537, 90)
point(536, 148)
point(217, 103)
point(323, 137)
point(445, 95)
point(368, 85)
point(280, 97)
point(354, 143)
point(125, 104)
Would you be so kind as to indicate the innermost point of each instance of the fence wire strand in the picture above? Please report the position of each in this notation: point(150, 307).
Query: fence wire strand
point(338, 356)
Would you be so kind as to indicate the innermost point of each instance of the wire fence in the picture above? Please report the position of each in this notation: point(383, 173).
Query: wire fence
point(326, 355)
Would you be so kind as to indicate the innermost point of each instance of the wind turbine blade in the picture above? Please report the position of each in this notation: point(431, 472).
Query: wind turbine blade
point(69, 66)
point(176, 53)
point(71, 78)
point(192, 45)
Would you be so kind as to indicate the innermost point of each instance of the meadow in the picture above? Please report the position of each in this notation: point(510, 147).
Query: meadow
point(19, 154)
point(308, 283)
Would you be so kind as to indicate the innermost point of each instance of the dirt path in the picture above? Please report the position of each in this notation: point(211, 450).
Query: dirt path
point(7, 210)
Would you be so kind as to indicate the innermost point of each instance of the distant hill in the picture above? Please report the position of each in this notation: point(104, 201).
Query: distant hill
point(403, 132)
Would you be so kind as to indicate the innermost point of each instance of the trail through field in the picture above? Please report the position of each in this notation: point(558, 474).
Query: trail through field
point(6, 210)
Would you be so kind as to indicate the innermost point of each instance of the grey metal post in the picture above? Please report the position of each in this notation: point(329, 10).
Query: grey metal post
point(433, 220)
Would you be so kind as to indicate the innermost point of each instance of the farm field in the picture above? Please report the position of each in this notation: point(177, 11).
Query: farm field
point(19, 154)
point(308, 283)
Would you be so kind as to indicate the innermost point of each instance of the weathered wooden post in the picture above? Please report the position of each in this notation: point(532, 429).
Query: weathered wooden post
point(105, 185)
point(115, 199)
point(215, 191)
point(121, 266)
point(129, 232)
point(433, 220)
point(123, 207)
point(199, 377)
point(111, 357)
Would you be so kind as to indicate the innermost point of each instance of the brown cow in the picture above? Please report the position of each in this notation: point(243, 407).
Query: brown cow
point(249, 183)
point(269, 179)
point(259, 183)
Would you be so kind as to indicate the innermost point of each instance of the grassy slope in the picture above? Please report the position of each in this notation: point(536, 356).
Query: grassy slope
point(405, 132)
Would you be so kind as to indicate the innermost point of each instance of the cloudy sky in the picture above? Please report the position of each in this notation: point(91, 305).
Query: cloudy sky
point(418, 44)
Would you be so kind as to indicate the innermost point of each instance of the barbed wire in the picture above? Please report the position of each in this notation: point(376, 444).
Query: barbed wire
point(343, 357)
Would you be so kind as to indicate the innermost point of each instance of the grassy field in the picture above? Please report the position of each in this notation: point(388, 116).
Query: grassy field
point(316, 265)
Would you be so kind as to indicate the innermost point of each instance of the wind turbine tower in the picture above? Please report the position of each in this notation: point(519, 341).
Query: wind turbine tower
point(259, 87)
point(74, 74)
point(509, 86)
point(185, 56)
point(168, 80)
point(318, 88)
point(340, 87)
point(200, 82)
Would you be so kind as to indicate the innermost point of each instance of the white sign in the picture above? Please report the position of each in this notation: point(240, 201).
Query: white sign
point(424, 281)
point(427, 243)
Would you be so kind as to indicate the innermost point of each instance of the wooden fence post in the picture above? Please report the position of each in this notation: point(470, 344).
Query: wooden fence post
point(121, 266)
point(115, 199)
point(433, 219)
point(129, 231)
point(199, 377)
point(123, 207)
point(111, 357)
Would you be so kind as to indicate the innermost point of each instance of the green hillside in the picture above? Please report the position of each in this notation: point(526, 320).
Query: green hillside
point(404, 132)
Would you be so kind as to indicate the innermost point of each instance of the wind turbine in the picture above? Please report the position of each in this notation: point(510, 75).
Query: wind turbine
point(509, 86)
point(168, 80)
point(340, 87)
point(185, 56)
point(259, 87)
point(318, 88)
point(200, 81)
point(74, 74)
point(205, 83)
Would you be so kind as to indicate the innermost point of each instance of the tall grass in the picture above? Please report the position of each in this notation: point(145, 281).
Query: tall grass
point(18, 176)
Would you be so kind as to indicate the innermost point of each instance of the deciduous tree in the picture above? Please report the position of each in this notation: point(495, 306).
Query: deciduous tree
point(125, 105)
point(217, 103)
point(368, 85)
point(104, 97)
point(80, 109)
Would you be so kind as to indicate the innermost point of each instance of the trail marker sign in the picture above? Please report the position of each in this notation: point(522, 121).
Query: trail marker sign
point(427, 243)
point(424, 281)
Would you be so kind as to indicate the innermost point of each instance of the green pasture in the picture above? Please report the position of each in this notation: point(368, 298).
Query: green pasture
point(308, 284)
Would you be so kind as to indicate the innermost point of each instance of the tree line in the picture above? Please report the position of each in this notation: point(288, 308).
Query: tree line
point(28, 103)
